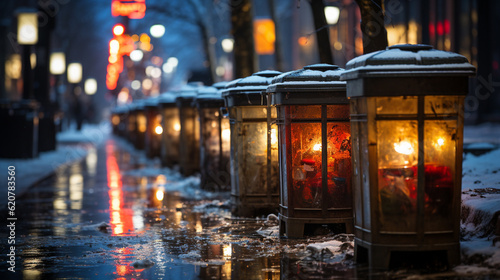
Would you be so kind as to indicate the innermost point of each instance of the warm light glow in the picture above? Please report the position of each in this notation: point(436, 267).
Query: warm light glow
point(332, 14)
point(177, 127)
point(274, 137)
point(57, 63)
point(264, 36)
point(226, 251)
point(226, 134)
point(114, 46)
point(74, 73)
point(141, 123)
point(147, 84)
point(90, 86)
point(123, 96)
point(440, 142)
point(159, 195)
point(157, 30)
point(33, 60)
point(317, 147)
point(158, 129)
point(115, 120)
point(136, 55)
point(403, 147)
point(118, 30)
point(27, 28)
point(13, 66)
point(227, 45)
point(303, 41)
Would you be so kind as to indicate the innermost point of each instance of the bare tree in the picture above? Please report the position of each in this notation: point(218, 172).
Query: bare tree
point(242, 30)
point(372, 25)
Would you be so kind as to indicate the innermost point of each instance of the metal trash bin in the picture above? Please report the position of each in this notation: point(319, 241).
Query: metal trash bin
point(19, 122)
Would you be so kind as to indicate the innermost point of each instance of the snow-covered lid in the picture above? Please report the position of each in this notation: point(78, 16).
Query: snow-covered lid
point(408, 60)
point(152, 101)
point(311, 77)
point(313, 84)
point(246, 91)
point(408, 70)
point(138, 104)
point(167, 98)
point(220, 85)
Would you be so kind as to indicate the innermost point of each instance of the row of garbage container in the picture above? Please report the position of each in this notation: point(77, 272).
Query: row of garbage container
point(373, 150)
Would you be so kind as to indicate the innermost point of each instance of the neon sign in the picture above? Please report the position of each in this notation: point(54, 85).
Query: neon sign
point(134, 9)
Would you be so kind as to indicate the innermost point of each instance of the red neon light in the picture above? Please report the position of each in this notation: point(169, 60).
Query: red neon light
point(446, 26)
point(134, 9)
point(440, 29)
point(432, 31)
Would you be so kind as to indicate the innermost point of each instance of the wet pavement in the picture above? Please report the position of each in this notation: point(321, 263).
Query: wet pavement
point(115, 215)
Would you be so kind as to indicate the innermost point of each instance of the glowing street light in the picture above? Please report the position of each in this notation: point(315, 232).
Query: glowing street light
point(227, 45)
point(136, 55)
point(57, 63)
point(27, 27)
point(90, 86)
point(157, 30)
point(75, 73)
point(332, 14)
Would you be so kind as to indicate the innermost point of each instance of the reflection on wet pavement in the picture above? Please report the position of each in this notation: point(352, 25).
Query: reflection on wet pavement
point(113, 216)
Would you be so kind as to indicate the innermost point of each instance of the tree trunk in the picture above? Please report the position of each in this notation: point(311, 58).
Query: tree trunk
point(242, 30)
point(278, 55)
point(372, 25)
point(322, 31)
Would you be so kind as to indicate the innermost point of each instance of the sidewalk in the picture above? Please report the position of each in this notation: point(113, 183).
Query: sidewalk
point(72, 146)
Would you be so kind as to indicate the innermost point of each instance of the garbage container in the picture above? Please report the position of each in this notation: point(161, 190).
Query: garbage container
point(19, 123)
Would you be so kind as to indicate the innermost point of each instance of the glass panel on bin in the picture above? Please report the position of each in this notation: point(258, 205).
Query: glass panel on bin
point(252, 150)
point(339, 165)
point(274, 180)
point(397, 105)
point(439, 150)
point(441, 104)
point(305, 112)
point(337, 111)
point(306, 164)
point(397, 148)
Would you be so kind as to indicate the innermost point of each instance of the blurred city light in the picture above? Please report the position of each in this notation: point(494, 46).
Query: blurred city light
point(57, 63)
point(227, 45)
point(157, 30)
point(156, 72)
point(135, 85)
point(27, 27)
point(136, 55)
point(118, 29)
point(90, 86)
point(264, 36)
point(147, 84)
point(75, 73)
point(332, 14)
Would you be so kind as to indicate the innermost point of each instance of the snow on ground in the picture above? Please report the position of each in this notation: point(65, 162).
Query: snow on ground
point(72, 146)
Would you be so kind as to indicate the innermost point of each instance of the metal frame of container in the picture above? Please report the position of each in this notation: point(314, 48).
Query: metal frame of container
point(407, 131)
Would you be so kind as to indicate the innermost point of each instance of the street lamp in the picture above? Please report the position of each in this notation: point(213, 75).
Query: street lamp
point(332, 14)
point(74, 73)
point(27, 35)
point(57, 63)
point(407, 128)
point(90, 86)
point(227, 45)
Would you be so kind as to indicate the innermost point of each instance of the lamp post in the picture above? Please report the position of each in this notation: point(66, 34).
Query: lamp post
point(74, 76)
point(57, 68)
point(27, 36)
point(315, 150)
point(407, 130)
